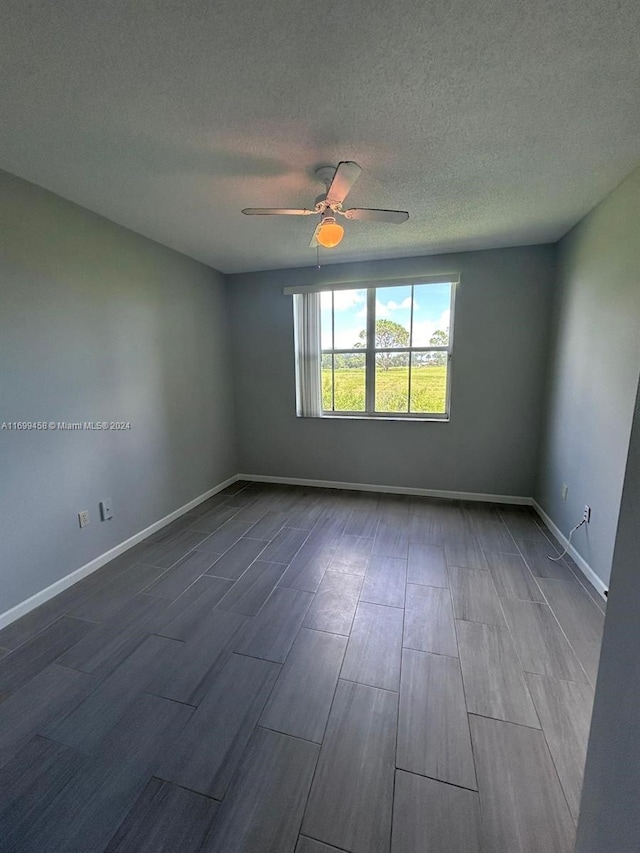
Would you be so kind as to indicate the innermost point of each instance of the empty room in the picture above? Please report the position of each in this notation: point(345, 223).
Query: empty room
point(319, 427)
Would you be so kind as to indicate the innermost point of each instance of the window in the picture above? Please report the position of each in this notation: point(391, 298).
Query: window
point(381, 351)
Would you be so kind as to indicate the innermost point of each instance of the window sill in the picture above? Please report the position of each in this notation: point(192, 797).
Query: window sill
point(444, 419)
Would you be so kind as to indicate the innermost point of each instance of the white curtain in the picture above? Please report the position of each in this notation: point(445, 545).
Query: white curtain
point(306, 311)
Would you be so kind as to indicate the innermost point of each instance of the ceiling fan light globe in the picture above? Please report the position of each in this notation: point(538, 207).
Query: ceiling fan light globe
point(330, 234)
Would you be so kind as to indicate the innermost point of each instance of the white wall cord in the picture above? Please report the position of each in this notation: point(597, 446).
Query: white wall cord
point(555, 559)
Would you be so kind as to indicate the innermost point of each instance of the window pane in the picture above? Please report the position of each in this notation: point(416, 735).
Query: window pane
point(349, 382)
point(392, 382)
point(327, 383)
point(393, 317)
point(431, 308)
point(428, 382)
point(349, 319)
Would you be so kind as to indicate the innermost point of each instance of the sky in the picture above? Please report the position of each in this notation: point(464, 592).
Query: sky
point(430, 312)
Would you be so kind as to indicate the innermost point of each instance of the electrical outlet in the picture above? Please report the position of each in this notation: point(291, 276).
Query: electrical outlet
point(564, 491)
point(106, 509)
point(83, 518)
point(587, 513)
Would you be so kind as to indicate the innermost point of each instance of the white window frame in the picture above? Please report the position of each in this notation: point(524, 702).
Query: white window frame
point(370, 351)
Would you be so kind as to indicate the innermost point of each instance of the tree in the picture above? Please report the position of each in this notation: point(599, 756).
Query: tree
point(439, 339)
point(388, 334)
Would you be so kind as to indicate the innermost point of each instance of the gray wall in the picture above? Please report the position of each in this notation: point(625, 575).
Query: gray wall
point(593, 373)
point(609, 814)
point(98, 323)
point(491, 443)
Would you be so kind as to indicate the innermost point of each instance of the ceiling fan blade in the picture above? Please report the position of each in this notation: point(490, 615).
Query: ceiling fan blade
point(313, 243)
point(277, 211)
point(345, 177)
point(372, 215)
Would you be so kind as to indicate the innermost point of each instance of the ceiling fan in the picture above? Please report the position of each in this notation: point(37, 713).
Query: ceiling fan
point(338, 183)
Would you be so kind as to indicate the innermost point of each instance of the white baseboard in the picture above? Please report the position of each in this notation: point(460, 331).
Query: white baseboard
point(59, 586)
point(393, 490)
point(582, 564)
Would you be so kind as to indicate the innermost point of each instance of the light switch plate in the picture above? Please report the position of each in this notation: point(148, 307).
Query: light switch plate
point(106, 509)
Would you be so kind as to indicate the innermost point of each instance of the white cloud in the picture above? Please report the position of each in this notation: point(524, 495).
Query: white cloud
point(344, 300)
point(422, 332)
point(384, 309)
point(347, 338)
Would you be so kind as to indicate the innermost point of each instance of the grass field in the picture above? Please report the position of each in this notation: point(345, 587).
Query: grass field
point(428, 389)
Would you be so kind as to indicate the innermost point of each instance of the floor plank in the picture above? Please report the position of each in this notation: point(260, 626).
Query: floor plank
point(494, 537)
point(494, 682)
point(36, 654)
point(89, 809)
point(43, 701)
point(474, 596)
point(263, 807)
point(307, 568)
point(589, 656)
point(207, 752)
point(536, 555)
point(106, 603)
point(89, 722)
point(523, 525)
point(512, 577)
point(351, 554)
point(564, 708)
point(427, 565)
point(424, 525)
point(391, 541)
point(225, 536)
point(428, 623)
point(173, 583)
point(522, 804)
point(385, 581)
point(234, 562)
point(327, 532)
point(334, 605)
point(362, 523)
point(284, 546)
point(308, 845)
point(30, 782)
point(350, 801)
point(268, 526)
point(580, 618)
point(36, 620)
point(463, 549)
point(541, 645)
point(433, 731)
point(165, 556)
point(107, 644)
point(430, 817)
point(301, 699)
point(165, 819)
point(374, 649)
point(187, 615)
point(271, 633)
point(249, 593)
point(191, 669)
point(214, 518)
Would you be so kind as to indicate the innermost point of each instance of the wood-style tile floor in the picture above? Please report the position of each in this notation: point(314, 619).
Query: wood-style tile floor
point(288, 669)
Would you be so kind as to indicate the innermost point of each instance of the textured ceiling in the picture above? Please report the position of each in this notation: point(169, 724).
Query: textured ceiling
point(493, 123)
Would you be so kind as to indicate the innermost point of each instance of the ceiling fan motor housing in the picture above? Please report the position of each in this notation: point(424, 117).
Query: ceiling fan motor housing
point(325, 175)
